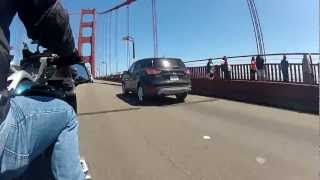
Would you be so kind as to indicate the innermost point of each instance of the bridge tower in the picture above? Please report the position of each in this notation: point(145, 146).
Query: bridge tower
point(88, 39)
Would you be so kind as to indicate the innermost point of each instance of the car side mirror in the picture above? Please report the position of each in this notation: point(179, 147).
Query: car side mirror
point(80, 74)
point(125, 75)
point(126, 72)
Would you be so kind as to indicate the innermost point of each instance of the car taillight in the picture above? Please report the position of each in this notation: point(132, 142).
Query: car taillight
point(187, 71)
point(152, 71)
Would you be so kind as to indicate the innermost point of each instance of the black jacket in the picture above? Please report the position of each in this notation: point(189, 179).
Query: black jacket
point(284, 65)
point(260, 63)
point(45, 20)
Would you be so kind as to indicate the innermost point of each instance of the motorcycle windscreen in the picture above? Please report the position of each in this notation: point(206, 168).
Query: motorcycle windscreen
point(23, 87)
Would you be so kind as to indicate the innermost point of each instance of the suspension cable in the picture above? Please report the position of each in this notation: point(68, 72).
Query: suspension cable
point(259, 26)
point(128, 35)
point(110, 41)
point(116, 39)
point(254, 27)
point(105, 40)
point(155, 27)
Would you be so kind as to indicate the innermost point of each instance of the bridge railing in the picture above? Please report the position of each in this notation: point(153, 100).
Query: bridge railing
point(240, 68)
point(272, 72)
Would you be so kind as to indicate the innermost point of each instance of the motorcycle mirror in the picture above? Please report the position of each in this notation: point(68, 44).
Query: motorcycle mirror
point(125, 72)
point(80, 74)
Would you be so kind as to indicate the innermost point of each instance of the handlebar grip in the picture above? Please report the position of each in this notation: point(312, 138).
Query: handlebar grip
point(61, 61)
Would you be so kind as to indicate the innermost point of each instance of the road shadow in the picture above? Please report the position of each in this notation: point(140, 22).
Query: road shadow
point(132, 100)
point(108, 83)
point(107, 112)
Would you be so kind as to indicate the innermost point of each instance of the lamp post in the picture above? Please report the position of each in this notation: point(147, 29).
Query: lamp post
point(131, 39)
point(105, 62)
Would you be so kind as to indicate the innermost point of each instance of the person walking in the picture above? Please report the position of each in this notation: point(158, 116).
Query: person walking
point(260, 68)
point(306, 69)
point(209, 69)
point(253, 69)
point(284, 66)
point(225, 68)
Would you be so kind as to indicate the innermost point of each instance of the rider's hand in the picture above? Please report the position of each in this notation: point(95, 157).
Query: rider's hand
point(73, 58)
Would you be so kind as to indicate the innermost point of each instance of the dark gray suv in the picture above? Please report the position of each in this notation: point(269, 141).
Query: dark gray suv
point(157, 77)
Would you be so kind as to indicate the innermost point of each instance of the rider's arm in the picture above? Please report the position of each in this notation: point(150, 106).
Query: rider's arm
point(47, 22)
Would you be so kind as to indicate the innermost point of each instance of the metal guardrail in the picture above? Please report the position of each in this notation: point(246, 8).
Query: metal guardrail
point(240, 67)
point(273, 73)
point(254, 55)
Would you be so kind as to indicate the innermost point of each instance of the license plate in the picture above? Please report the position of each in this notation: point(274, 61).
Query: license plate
point(174, 78)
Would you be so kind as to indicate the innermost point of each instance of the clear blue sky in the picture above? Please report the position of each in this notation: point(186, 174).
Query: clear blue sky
point(198, 29)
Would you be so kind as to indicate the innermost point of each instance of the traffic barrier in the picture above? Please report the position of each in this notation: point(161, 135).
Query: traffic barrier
point(300, 97)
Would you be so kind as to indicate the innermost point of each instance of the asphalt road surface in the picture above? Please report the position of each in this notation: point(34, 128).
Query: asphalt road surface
point(201, 139)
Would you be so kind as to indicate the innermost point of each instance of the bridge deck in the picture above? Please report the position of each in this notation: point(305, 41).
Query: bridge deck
point(166, 141)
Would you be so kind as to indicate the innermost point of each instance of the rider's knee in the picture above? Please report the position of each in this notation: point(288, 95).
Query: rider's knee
point(72, 118)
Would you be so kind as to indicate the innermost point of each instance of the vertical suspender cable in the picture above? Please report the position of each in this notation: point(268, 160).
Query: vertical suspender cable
point(105, 43)
point(155, 27)
point(110, 42)
point(128, 35)
point(116, 39)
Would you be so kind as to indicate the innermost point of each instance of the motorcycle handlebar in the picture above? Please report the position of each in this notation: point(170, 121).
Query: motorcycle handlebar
point(61, 61)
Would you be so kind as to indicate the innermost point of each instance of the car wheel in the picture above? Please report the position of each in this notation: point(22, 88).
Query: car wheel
point(124, 90)
point(140, 94)
point(181, 97)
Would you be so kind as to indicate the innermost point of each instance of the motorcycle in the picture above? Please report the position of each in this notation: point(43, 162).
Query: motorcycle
point(42, 74)
point(46, 74)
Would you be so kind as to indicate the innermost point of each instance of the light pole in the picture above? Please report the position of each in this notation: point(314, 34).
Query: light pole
point(105, 62)
point(131, 39)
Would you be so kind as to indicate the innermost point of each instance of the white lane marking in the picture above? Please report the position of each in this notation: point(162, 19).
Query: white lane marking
point(206, 137)
point(261, 160)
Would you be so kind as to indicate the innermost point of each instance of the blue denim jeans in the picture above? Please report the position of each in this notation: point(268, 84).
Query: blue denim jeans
point(30, 128)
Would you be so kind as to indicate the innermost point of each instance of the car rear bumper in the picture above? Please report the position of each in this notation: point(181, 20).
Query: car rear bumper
point(166, 91)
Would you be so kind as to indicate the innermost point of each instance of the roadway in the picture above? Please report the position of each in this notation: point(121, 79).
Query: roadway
point(202, 139)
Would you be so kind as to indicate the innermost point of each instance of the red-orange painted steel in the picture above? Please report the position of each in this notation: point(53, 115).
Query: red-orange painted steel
point(88, 39)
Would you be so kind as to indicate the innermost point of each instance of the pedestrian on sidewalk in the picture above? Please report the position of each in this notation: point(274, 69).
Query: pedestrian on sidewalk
point(306, 69)
point(260, 68)
point(253, 69)
point(225, 68)
point(209, 69)
point(284, 66)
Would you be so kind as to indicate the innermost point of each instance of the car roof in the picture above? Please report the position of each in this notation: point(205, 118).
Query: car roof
point(151, 59)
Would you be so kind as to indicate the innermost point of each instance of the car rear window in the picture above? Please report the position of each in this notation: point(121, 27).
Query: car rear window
point(168, 63)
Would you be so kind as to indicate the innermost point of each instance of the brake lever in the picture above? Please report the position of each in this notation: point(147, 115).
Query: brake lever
point(43, 66)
